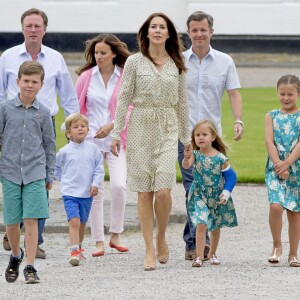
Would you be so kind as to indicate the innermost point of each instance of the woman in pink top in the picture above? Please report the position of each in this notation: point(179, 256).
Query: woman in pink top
point(97, 89)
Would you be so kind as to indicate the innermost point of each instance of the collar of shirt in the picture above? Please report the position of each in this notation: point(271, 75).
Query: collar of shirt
point(23, 50)
point(117, 71)
point(18, 102)
point(76, 145)
point(191, 55)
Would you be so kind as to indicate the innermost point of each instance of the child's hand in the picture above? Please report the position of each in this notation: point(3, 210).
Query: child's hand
point(48, 186)
point(280, 167)
point(284, 175)
point(224, 197)
point(93, 191)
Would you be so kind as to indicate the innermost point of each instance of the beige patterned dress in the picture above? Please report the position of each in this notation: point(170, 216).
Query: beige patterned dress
point(159, 118)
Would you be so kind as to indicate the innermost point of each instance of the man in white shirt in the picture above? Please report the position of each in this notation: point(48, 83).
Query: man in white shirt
point(209, 74)
point(57, 78)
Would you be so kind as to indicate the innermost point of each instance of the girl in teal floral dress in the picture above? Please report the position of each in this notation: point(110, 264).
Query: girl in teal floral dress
point(210, 204)
point(282, 129)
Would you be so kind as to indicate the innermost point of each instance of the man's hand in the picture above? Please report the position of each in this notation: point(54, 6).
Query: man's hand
point(238, 131)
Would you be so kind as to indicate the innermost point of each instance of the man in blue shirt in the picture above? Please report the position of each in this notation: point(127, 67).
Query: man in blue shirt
point(57, 78)
point(209, 74)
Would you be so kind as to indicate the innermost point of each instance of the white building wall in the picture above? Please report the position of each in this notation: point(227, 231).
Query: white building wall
point(274, 17)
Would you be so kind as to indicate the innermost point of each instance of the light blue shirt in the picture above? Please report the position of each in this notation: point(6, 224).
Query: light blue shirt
point(57, 78)
point(78, 167)
point(206, 82)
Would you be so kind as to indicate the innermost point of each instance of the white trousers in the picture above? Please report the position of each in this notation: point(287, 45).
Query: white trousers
point(117, 173)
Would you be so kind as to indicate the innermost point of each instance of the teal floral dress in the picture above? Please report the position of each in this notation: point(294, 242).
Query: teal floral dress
point(204, 193)
point(285, 192)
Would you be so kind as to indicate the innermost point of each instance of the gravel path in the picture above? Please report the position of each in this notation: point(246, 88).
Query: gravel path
point(243, 274)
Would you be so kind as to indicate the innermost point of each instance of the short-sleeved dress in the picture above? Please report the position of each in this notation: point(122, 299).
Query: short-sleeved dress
point(286, 128)
point(158, 119)
point(205, 191)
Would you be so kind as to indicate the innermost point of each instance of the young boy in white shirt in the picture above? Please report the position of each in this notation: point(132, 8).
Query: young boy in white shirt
point(79, 168)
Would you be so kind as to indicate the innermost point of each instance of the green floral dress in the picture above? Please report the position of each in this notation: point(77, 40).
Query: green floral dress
point(286, 129)
point(205, 191)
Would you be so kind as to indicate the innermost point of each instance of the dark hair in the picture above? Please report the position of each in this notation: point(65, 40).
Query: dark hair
point(289, 79)
point(117, 47)
point(218, 143)
point(35, 11)
point(200, 16)
point(174, 45)
point(31, 68)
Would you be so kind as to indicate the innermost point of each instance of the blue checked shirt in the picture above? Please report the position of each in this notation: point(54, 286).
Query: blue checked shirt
point(28, 142)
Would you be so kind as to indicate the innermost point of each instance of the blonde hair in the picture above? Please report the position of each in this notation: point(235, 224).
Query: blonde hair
point(74, 118)
point(218, 143)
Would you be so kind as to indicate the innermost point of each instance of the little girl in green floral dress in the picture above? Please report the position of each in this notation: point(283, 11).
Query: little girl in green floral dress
point(210, 204)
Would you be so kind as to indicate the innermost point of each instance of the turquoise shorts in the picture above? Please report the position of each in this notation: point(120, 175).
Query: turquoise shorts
point(27, 201)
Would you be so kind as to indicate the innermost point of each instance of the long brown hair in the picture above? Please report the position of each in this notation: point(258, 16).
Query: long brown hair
point(218, 143)
point(117, 47)
point(174, 45)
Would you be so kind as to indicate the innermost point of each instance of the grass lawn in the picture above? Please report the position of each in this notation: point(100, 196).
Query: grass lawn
point(248, 156)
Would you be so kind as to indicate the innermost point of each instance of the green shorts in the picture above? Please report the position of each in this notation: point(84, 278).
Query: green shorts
point(27, 201)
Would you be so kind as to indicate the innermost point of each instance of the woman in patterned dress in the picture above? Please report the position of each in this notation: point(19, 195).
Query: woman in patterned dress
point(282, 129)
point(210, 205)
point(154, 82)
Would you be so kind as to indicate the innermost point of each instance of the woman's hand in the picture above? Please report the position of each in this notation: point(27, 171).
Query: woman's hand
point(104, 131)
point(115, 147)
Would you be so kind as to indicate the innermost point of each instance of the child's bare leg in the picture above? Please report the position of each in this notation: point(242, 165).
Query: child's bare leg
point(294, 232)
point(31, 239)
point(74, 225)
point(214, 242)
point(81, 232)
point(275, 222)
point(200, 240)
point(14, 233)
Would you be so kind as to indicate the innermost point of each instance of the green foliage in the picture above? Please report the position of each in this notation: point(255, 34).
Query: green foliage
point(248, 156)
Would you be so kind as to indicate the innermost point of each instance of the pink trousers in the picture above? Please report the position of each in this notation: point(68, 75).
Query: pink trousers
point(117, 174)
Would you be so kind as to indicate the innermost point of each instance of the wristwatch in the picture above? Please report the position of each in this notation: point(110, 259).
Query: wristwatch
point(239, 122)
